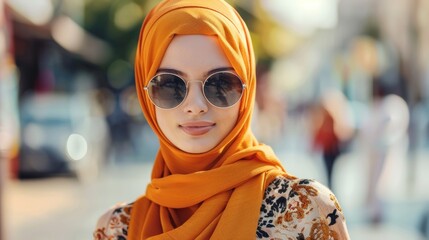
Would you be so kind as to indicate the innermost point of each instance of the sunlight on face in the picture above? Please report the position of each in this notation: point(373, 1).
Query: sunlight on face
point(195, 126)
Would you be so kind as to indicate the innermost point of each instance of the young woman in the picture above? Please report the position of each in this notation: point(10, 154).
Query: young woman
point(211, 179)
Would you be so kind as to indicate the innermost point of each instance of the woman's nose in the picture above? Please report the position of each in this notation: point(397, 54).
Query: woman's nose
point(195, 101)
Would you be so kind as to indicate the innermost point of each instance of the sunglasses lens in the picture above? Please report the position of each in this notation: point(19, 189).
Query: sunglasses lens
point(167, 90)
point(223, 89)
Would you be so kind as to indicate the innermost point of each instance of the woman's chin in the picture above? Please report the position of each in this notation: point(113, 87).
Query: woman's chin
point(197, 148)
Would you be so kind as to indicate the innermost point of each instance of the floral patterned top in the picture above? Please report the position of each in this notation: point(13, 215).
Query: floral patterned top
point(298, 209)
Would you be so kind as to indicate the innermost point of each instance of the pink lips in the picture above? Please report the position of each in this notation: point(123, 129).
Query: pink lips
point(197, 128)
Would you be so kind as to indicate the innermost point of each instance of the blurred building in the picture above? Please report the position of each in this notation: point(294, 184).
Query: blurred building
point(9, 127)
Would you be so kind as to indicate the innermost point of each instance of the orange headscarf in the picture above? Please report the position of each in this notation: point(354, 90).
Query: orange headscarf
point(216, 194)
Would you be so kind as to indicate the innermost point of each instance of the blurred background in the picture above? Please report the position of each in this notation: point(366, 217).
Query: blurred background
point(343, 97)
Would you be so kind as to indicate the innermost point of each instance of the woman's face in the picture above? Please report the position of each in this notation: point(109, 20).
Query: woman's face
point(195, 126)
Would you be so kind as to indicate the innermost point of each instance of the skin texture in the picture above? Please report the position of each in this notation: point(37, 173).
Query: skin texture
point(195, 126)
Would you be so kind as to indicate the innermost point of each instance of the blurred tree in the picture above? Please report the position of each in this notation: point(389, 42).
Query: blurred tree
point(119, 22)
point(116, 22)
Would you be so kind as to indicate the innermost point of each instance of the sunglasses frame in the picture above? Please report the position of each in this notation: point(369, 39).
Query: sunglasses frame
point(146, 88)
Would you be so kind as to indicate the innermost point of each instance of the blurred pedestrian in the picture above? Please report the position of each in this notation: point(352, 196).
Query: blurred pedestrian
point(331, 129)
point(386, 138)
point(325, 139)
point(212, 179)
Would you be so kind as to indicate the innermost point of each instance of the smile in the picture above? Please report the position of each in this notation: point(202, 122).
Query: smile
point(197, 128)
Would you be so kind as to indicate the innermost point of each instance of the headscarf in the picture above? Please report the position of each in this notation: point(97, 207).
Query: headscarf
point(216, 194)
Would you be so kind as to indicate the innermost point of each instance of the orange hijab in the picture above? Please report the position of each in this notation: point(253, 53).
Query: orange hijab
point(216, 194)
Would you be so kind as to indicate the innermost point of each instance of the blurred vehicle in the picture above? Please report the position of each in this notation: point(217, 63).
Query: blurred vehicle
point(62, 133)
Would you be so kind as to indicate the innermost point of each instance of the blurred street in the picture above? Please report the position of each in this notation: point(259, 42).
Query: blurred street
point(63, 208)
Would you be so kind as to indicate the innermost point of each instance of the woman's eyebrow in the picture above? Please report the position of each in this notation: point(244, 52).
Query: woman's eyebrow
point(180, 73)
point(171, 70)
point(221, 69)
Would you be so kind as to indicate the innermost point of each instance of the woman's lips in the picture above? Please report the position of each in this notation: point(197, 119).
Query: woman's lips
point(197, 128)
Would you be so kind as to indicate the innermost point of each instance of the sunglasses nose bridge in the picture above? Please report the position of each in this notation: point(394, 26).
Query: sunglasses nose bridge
point(189, 82)
point(195, 100)
point(188, 87)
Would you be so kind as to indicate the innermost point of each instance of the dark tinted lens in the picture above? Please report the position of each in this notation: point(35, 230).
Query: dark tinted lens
point(167, 90)
point(223, 89)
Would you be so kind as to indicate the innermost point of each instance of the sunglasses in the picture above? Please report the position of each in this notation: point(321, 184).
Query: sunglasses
point(221, 89)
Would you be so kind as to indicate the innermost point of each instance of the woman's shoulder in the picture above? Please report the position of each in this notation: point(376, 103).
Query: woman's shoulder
point(113, 224)
point(303, 208)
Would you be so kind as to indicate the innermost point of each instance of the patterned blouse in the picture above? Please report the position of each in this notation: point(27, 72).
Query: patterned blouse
point(299, 209)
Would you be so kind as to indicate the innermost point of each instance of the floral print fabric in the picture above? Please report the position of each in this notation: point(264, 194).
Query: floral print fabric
point(113, 225)
point(299, 209)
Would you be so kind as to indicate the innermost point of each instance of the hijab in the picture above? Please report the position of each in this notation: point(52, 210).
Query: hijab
point(216, 194)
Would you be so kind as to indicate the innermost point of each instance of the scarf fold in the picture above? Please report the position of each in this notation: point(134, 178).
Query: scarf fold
point(212, 195)
point(168, 191)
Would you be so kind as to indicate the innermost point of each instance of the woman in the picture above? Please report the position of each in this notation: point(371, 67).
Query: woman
point(195, 76)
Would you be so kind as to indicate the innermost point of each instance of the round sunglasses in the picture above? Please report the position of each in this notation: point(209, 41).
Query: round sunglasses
point(221, 89)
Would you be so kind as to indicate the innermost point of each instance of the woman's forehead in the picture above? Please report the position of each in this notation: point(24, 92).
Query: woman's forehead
point(194, 52)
